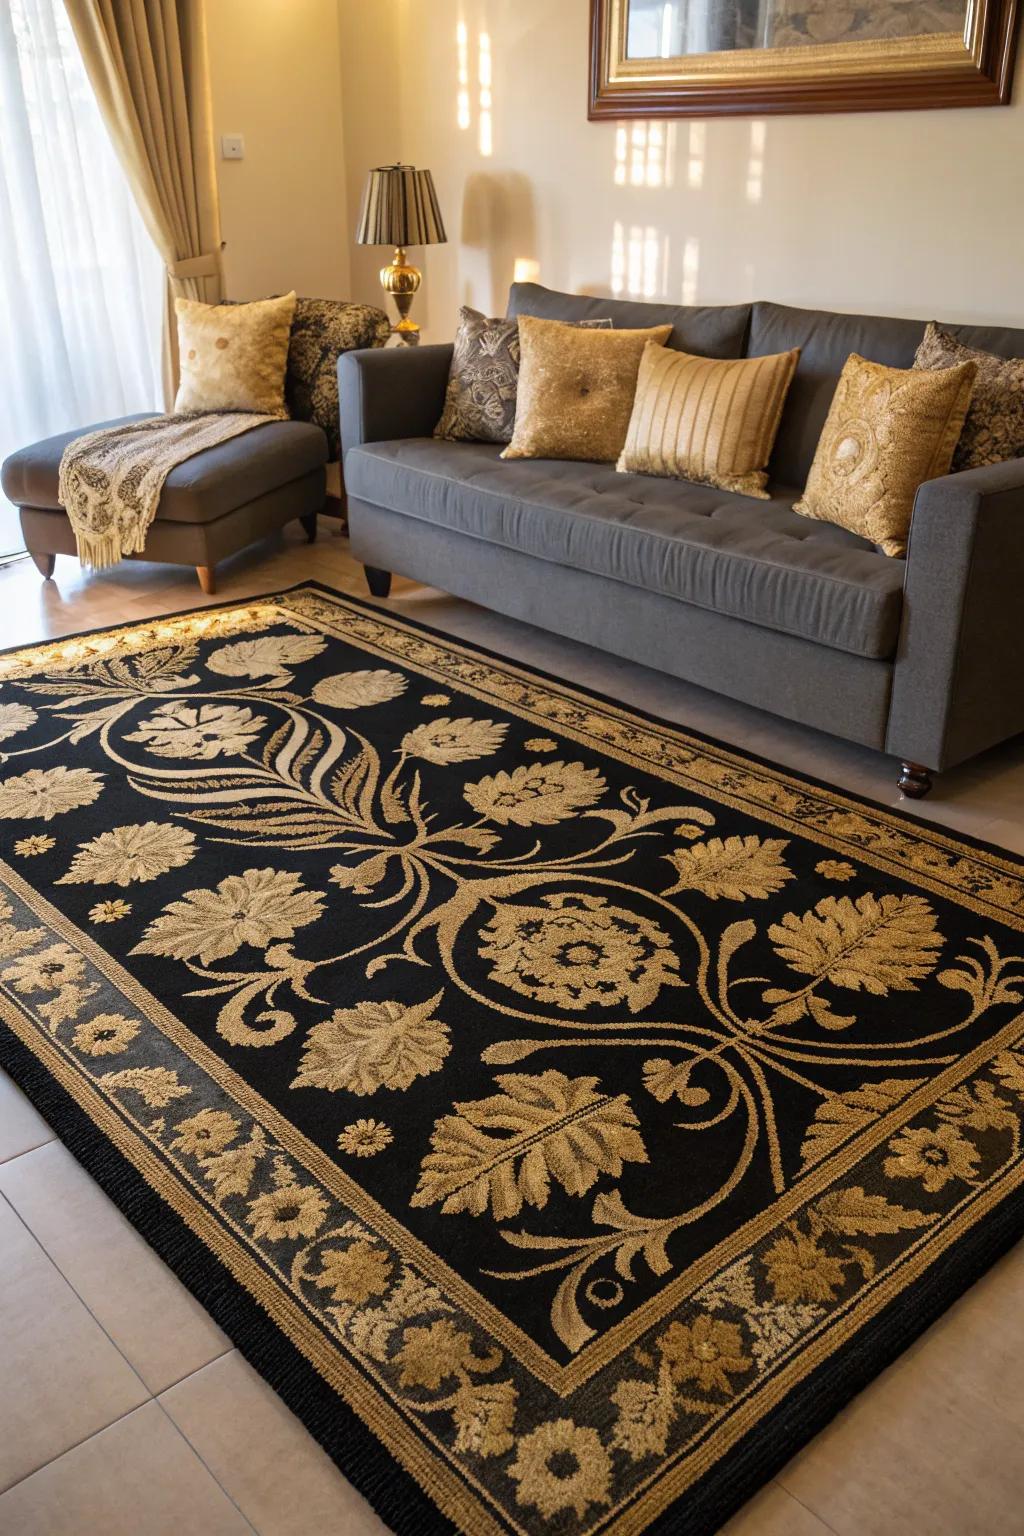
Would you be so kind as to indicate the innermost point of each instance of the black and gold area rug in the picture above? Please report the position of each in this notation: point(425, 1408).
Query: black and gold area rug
point(564, 1113)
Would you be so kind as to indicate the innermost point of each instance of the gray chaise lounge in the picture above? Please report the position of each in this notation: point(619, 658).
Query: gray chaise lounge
point(211, 506)
point(224, 498)
point(922, 658)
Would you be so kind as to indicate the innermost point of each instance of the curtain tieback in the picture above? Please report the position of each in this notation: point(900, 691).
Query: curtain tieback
point(195, 266)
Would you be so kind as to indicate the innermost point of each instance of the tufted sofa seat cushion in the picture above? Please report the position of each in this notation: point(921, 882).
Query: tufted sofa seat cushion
point(752, 560)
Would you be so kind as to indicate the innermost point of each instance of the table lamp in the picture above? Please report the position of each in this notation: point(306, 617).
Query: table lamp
point(400, 208)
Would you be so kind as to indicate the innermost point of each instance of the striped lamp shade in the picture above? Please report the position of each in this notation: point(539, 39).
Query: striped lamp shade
point(400, 208)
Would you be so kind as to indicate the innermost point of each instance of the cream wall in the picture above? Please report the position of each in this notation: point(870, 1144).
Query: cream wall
point(276, 78)
point(370, 38)
point(917, 213)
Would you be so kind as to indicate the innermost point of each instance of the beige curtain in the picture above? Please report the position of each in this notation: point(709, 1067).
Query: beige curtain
point(146, 60)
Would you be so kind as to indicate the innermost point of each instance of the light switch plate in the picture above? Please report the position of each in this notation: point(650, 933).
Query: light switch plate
point(232, 146)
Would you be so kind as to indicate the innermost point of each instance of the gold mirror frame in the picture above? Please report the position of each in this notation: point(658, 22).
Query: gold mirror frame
point(972, 69)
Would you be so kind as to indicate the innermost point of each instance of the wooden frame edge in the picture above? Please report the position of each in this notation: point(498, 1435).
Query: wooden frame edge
point(991, 85)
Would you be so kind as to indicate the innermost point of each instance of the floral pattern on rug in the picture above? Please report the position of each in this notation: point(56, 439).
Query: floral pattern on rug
point(579, 1080)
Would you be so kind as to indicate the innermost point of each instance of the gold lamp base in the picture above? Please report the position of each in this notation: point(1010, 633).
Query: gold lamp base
point(402, 281)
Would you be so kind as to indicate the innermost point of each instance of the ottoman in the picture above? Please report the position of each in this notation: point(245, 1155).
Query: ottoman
point(212, 505)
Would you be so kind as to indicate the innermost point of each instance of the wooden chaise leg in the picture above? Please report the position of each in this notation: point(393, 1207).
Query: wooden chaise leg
point(207, 580)
point(309, 523)
point(44, 564)
point(915, 781)
point(378, 581)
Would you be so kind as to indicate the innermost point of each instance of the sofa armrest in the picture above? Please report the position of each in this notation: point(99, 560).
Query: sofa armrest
point(391, 392)
point(958, 685)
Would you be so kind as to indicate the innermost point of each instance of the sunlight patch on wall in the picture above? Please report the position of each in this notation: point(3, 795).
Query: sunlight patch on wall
point(697, 153)
point(755, 164)
point(526, 270)
point(639, 261)
point(644, 155)
point(462, 64)
point(484, 88)
point(484, 77)
point(621, 154)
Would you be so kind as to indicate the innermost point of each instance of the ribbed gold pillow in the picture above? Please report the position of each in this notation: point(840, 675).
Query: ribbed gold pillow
point(233, 356)
point(705, 419)
point(576, 390)
point(888, 430)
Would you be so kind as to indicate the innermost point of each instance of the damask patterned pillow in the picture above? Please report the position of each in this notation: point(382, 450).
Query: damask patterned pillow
point(888, 430)
point(480, 402)
point(321, 330)
point(994, 429)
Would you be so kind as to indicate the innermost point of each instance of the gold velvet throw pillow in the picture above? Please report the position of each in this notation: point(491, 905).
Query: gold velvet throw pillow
point(576, 390)
point(233, 356)
point(888, 430)
point(707, 419)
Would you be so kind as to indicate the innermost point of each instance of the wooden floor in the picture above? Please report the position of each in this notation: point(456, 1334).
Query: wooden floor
point(124, 1411)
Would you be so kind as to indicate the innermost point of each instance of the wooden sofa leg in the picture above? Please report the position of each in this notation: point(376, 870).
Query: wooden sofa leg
point(914, 780)
point(207, 580)
point(309, 523)
point(44, 564)
point(378, 581)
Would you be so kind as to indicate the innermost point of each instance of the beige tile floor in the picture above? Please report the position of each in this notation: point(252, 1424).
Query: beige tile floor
point(124, 1411)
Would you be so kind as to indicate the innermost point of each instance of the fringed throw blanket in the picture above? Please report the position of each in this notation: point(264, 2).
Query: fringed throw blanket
point(111, 480)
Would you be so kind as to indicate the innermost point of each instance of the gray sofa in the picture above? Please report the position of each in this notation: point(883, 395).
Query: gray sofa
point(922, 658)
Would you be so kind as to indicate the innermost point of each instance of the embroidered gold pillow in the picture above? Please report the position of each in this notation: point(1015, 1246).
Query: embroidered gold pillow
point(233, 356)
point(705, 419)
point(576, 390)
point(888, 430)
point(994, 429)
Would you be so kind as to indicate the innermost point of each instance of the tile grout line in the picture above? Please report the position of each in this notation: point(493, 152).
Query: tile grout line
point(198, 1454)
point(49, 1259)
point(13, 1158)
point(232, 1349)
point(7, 1199)
point(809, 1508)
point(75, 1446)
point(151, 1397)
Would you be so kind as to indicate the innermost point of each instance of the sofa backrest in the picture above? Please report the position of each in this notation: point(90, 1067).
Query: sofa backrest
point(710, 330)
point(1003, 340)
point(826, 341)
